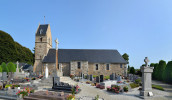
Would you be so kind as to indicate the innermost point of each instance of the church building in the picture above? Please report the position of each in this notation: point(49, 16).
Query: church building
point(74, 61)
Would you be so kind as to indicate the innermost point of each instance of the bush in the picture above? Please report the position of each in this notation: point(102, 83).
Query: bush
point(8, 85)
point(125, 89)
point(94, 76)
point(157, 87)
point(138, 81)
point(106, 77)
point(134, 85)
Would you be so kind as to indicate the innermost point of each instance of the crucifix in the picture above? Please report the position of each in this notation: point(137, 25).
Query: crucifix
point(56, 57)
point(146, 60)
point(56, 41)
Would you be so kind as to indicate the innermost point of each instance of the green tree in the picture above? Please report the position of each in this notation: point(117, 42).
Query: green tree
point(11, 67)
point(161, 69)
point(4, 67)
point(132, 70)
point(152, 65)
point(168, 72)
point(128, 68)
point(154, 74)
point(0, 69)
point(126, 57)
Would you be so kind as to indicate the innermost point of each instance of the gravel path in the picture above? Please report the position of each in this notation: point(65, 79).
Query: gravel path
point(92, 91)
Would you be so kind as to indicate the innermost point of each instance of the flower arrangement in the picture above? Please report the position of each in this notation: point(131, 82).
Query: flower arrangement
point(119, 82)
point(98, 86)
point(75, 89)
point(72, 76)
point(125, 89)
point(102, 87)
point(70, 97)
point(116, 88)
point(108, 88)
point(88, 82)
point(25, 92)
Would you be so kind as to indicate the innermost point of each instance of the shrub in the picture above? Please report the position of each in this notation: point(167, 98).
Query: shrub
point(97, 97)
point(125, 89)
point(134, 85)
point(94, 76)
point(106, 77)
point(157, 87)
point(8, 85)
point(138, 81)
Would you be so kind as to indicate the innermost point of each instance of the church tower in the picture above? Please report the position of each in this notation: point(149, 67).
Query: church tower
point(43, 42)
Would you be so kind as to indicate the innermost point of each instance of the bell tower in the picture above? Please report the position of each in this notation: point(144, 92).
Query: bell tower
point(43, 42)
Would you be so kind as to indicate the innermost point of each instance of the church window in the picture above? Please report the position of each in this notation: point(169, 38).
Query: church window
point(58, 66)
point(41, 39)
point(97, 67)
point(121, 65)
point(79, 65)
point(107, 66)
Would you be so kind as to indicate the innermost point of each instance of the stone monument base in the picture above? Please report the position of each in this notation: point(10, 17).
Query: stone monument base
point(146, 93)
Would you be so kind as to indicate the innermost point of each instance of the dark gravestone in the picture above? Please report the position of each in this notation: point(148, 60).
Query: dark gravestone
point(101, 78)
point(97, 79)
point(88, 77)
point(112, 76)
point(91, 77)
point(56, 80)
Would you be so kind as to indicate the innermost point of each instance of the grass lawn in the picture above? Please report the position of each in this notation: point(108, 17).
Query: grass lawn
point(157, 87)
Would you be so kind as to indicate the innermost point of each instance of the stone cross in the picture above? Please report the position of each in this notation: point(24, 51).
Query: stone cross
point(146, 60)
point(17, 69)
point(56, 41)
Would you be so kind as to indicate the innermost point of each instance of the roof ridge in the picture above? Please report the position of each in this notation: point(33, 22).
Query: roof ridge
point(84, 49)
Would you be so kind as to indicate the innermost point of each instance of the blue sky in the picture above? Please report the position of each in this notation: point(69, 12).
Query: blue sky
point(139, 28)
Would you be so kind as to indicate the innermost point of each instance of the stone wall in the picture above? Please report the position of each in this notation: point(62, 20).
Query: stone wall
point(66, 69)
point(114, 68)
point(76, 71)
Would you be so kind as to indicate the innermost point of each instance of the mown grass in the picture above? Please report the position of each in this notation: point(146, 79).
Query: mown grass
point(157, 87)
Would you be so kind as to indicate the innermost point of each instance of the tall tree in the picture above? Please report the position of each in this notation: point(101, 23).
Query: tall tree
point(154, 74)
point(161, 69)
point(168, 72)
point(132, 70)
point(126, 57)
point(4, 67)
point(0, 69)
point(11, 67)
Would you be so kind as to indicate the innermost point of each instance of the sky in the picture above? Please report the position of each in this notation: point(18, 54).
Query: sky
point(140, 28)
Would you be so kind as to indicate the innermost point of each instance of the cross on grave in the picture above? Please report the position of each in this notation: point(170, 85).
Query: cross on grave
point(146, 60)
point(56, 41)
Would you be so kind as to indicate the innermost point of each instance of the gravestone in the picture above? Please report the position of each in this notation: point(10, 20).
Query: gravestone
point(91, 77)
point(4, 76)
point(101, 78)
point(88, 77)
point(112, 76)
point(56, 80)
point(0, 75)
point(146, 79)
point(119, 78)
point(97, 79)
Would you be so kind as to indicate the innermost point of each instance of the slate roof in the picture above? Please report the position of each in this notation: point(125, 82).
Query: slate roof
point(90, 55)
point(44, 28)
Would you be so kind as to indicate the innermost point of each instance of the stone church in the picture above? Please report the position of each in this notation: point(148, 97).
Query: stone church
point(74, 61)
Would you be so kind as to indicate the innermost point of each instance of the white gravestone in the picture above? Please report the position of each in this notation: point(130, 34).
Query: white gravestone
point(146, 80)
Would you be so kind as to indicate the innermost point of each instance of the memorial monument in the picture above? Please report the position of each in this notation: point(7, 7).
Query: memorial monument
point(146, 79)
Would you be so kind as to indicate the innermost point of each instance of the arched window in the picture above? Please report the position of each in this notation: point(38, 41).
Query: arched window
point(41, 39)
